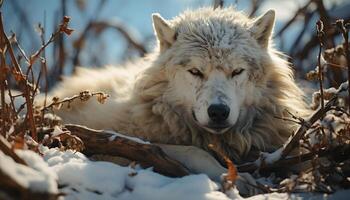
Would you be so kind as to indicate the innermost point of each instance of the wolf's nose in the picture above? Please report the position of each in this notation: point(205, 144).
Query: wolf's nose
point(218, 112)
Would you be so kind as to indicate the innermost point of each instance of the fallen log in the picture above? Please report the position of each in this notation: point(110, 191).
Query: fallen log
point(108, 143)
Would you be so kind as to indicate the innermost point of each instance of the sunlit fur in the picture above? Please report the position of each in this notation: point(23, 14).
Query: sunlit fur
point(156, 98)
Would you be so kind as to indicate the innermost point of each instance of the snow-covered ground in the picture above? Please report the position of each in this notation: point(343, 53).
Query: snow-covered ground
point(80, 178)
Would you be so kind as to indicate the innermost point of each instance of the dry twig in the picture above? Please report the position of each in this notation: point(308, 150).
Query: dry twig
point(320, 35)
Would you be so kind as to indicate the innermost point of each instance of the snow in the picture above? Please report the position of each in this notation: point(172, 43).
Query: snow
point(80, 178)
point(149, 185)
point(38, 177)
point(269, 158)
point(57, 131)
point(115, 134)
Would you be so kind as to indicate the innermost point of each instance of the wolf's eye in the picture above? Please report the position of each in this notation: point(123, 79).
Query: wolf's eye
point(237, 72)
point(196, 72)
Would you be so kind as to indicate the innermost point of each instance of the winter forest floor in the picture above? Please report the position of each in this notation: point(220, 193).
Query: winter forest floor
point(40, 158)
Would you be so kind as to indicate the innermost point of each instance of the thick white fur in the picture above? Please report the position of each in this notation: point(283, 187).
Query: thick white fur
point(156, 98)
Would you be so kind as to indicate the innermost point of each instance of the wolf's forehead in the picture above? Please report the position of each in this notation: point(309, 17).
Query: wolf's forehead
point(207, 27)
point(213, 34)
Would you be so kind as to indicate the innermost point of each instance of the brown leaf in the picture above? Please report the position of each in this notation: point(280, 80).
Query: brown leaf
point(64, 26)
point(232, 173)
point(231, 170)
point(101, 98)
point(18, 143)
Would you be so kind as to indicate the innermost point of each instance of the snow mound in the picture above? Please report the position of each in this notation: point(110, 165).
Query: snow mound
point(85, 179)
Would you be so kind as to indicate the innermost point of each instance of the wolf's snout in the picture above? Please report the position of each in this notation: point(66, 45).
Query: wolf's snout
point(218, 113)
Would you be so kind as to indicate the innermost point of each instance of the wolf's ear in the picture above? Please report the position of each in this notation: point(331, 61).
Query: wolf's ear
point(165, 34)
point(262, 28)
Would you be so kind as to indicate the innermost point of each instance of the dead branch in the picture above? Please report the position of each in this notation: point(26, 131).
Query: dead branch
point(307, 19)
point(341, 152)
point(301, 11)
point(14, 40)
point(293, 142)
point(218, 4)
point(318, 114)
point(254, 7)
point(102, 142)
point(99, 26)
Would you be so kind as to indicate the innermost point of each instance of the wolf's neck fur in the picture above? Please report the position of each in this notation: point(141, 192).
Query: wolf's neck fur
point(257, 127)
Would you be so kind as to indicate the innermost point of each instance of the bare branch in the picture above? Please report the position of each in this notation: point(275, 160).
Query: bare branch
point(218, 4)
point(20, 78)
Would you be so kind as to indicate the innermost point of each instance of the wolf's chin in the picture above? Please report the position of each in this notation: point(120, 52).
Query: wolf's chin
point(218, 131)
point(211, 129)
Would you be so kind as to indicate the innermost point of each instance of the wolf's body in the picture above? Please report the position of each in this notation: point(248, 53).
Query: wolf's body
point(206, 57)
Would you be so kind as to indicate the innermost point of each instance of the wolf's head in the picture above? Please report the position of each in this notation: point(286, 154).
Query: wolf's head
point(215, 62)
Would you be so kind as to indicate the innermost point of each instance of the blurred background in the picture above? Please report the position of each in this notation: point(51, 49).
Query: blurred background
point(115, 31)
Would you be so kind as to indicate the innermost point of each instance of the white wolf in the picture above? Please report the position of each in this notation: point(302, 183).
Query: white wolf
point(214, 78)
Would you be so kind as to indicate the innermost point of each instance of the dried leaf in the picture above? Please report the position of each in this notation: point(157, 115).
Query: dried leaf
point(231, 170)
point(232, 173)
point(18, 143)
point(64, 26)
